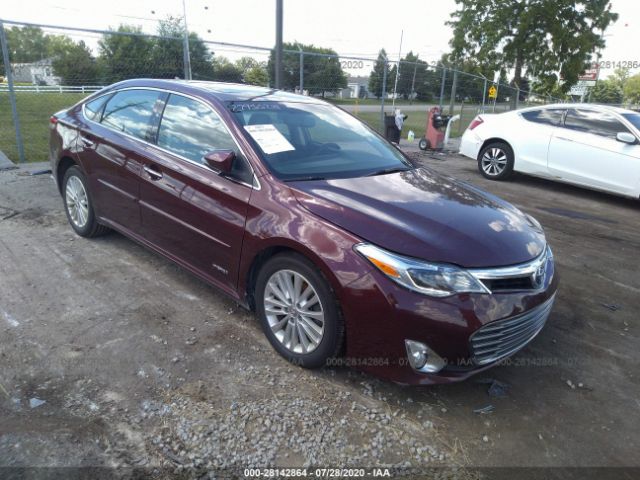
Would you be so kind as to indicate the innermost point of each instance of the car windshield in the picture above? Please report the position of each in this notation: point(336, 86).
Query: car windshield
point(633, 118)
point(302, 141)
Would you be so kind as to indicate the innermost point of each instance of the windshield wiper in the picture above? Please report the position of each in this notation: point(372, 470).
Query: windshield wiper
point(387, 170)
point(305, 179)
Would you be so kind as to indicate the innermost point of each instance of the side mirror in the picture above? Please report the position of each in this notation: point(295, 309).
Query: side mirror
point(626, 137)
point(220, 161)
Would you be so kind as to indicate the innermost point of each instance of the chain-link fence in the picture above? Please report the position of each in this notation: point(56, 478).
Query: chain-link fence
point(47, 68)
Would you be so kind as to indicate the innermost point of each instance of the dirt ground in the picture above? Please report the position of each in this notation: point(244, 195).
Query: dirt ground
point(113, 357)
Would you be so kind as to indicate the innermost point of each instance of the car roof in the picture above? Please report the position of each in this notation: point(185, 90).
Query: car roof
point(589, 106)
point(225, 92)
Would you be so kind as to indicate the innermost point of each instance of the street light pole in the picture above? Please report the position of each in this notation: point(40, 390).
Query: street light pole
point(185, 45)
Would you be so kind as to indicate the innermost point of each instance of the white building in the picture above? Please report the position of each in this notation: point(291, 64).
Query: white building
point(36, 73)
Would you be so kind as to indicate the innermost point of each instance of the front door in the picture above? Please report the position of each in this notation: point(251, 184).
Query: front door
point(192, 213)
point(585, 151)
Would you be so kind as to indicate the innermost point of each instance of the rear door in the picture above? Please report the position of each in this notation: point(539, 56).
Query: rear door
point(113, 146)
point(533, 150)
point(192, 213)
point(585, 151)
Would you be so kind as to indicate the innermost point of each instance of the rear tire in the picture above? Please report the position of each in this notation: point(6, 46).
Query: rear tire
point(423, 144)
point(78, 204)
point(495, 161)
point(298, 311)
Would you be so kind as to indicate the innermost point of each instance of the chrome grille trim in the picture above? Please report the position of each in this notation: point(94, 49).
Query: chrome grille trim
point(499, 339)
point(528, 270)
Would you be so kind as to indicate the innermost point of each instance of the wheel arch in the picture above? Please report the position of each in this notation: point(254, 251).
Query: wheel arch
point(497, 139)
point(64, 164)
point(276, 247)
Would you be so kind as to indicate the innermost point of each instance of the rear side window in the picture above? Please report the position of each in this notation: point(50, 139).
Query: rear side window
point(93, 109)
point(546, 116)
point(191, 129)
point(131, 111)
point(598, 123)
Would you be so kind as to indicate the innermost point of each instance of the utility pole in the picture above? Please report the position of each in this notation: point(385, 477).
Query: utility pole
point(301, 71)
point(278, 65)
point(185, 45)
point(384, 93)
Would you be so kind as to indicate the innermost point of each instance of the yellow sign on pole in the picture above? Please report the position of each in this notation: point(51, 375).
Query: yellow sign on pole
point(493, 92)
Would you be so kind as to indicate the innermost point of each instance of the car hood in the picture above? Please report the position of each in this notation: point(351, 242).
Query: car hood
point(426, 215)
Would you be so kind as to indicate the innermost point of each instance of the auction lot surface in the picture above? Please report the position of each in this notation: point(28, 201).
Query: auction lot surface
point(113, 356)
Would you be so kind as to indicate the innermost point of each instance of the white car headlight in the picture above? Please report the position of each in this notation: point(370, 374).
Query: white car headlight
point(434, 279)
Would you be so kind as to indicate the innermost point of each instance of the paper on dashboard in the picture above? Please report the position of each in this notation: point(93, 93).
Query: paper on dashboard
point(269, 138)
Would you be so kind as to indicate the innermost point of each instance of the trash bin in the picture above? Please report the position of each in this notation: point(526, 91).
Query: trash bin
point(391, 132)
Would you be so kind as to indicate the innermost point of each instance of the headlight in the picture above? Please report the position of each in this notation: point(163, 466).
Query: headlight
point(435, 279)
point(533, 222)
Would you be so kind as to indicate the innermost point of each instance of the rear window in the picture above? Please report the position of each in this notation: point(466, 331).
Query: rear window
point(546, 116)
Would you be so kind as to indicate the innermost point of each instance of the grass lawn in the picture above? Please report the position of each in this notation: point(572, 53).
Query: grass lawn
point(34, 110)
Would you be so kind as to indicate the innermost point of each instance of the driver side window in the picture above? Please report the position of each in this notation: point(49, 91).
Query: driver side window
point(191, 129)
point(602, 124)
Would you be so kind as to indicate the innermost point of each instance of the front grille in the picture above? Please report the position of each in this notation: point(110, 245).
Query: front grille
point(509, 284)
point(532, 275)
point(502, 338)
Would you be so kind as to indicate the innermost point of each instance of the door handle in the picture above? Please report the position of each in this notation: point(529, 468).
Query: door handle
point(86, 141)
point(153, 172)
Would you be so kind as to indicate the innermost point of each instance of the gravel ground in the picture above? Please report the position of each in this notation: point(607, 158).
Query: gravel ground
point(113, 357)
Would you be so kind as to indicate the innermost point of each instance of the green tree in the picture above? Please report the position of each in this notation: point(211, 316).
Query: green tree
point(127, 54)
point(226, 71)
point(168, 52)
point(541, 36)
point(620, 76)
point(253, 71)
point(27, 44)
point(322, 72)
point(632, 90)
point(74, 63)
point(377, 74)
point(606, 91)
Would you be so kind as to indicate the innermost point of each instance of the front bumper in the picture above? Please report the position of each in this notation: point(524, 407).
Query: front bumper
point(380, 315)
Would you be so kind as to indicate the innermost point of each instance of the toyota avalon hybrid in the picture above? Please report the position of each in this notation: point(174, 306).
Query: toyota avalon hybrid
point(347, 252)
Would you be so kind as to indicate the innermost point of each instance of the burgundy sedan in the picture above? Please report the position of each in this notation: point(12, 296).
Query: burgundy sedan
point(348, 252)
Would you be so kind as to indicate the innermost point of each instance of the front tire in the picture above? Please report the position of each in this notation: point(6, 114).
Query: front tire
point(495, 161)
point(423, 144)
point(298, 311)
point(78, 204)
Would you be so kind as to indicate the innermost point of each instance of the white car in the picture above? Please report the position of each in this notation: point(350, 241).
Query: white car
point(594, 146)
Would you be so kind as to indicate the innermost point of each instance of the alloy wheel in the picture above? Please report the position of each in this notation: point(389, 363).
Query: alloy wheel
point(294, 311)
point(77, 202)
point(494, 161)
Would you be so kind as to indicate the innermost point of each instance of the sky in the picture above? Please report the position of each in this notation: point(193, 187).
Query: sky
point(352, 28)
